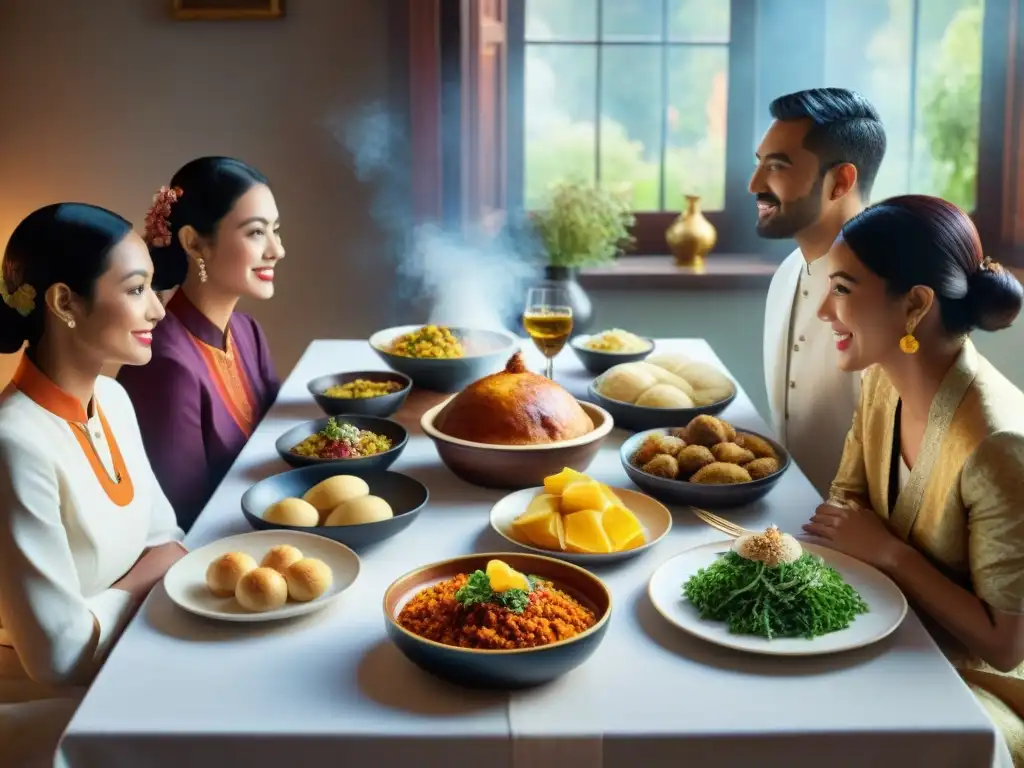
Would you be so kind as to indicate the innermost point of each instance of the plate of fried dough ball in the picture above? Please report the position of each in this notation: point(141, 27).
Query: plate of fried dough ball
point(262, 576)
point(707, 463)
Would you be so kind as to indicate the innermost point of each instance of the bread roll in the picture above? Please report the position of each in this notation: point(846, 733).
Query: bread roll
point(223, 573)
point(366, 509)
point(280, 557)
point(261, 589)
point(308, 579)
point(329, 493)
point(295, 512)
point(625, 382)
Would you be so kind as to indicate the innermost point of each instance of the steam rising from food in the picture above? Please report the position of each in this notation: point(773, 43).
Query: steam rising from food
point(473, 279)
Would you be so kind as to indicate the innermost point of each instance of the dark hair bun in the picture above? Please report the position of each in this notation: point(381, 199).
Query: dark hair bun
point(170, 265)
point(14, 330)
point(995, 297)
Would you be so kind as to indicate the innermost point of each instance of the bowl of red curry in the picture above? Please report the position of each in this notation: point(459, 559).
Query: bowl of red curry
point(500, 621)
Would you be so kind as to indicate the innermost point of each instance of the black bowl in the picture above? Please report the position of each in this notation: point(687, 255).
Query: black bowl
point(382, 406)
point(698, 494)
point(405, 495)
point(641, 417)
point(487, 353)
point(598, 362)
point(381, 461)
point(498, 669)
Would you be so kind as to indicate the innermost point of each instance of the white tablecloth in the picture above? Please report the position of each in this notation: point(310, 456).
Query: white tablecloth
point(330, 689)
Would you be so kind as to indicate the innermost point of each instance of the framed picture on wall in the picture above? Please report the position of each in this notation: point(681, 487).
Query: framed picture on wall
point(228, 9)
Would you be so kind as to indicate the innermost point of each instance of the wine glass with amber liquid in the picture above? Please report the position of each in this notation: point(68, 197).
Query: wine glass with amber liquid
point(548, 321)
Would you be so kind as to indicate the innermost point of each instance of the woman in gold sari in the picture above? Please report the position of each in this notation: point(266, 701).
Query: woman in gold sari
point(930, 489)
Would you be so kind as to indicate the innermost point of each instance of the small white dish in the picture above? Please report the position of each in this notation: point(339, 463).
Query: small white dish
point(886, 605)
point(185, 582)
point(652, 514)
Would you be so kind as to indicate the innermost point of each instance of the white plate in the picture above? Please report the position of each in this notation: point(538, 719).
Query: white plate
point(652, 514)
point(886, 605)
point(185, 582)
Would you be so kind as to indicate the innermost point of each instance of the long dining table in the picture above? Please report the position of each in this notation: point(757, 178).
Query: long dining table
point(330, 689)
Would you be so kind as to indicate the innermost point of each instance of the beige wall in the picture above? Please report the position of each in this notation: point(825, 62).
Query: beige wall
point(103, 101)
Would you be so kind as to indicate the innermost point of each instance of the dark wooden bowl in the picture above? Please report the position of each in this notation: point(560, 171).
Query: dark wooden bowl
point(382, 406)
point(405, 495)
point(641, 417)
point(381, 461)
point(520, 668)
point(488, 353)
point(598, 362)
point(698, 494)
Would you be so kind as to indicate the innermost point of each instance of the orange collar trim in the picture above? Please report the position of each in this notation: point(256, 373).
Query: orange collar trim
point(38, 387)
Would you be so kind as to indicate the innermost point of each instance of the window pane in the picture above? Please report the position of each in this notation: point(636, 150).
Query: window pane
point(868, 44)
point(561, 20)
point(698, 20)
point(631, 114)
point(632, 20)
point(945, 158)
point(931, 115)
point(698, 100)
point(561, 106)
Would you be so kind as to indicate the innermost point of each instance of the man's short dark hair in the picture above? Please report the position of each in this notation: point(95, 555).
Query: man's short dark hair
point(846, 129)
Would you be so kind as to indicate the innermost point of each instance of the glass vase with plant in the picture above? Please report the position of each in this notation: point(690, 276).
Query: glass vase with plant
point(583, 224)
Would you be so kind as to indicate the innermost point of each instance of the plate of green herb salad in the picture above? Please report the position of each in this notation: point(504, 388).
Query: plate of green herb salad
point(770, 593)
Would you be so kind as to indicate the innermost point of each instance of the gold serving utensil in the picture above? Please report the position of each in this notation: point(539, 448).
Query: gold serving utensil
point(720, 523)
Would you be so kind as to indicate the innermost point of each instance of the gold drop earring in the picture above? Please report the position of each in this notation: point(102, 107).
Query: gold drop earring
point(202, 270)
point(908, 344)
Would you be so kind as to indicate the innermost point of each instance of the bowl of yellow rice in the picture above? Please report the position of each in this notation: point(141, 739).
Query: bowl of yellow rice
point(443, 358)
point(600, 351)
point(366, 393)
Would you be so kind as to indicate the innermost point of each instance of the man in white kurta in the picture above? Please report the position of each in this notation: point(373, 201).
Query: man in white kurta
point(816, 164)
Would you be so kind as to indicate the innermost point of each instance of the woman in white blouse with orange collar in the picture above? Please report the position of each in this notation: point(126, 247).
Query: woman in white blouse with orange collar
point(85, 530)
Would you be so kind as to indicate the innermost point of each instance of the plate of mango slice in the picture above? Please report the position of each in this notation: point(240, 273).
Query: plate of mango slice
point(580, 520)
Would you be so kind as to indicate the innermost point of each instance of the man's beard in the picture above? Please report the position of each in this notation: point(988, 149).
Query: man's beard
point(798, 214)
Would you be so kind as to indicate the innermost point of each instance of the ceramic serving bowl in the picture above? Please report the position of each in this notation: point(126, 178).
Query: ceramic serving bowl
point(405, 495)
point(641, 417)
point(597, 361)
point(383, 406)
point(381, 461)
point(486, 353)
point(652, 514)
point(507, 669)
point(516, 466)
point(700, 494)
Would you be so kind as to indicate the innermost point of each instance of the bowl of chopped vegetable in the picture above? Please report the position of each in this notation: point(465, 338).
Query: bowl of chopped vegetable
point(443, 358)
point(602, 351)
point(361, 443)
point(366, 393)
point(499, 621)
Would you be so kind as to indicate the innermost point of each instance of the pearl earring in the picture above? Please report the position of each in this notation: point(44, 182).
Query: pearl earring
point(71, 323)
point(202, 270)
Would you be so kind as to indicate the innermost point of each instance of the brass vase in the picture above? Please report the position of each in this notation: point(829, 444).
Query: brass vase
point(691, 236)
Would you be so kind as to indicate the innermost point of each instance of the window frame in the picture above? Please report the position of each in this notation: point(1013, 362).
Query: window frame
point(999, 211)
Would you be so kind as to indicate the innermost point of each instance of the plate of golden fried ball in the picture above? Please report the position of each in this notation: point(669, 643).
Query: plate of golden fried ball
point(262, 576)
point(707, 463)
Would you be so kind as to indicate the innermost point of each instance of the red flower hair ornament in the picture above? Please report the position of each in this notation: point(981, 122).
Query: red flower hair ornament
point(158, 231)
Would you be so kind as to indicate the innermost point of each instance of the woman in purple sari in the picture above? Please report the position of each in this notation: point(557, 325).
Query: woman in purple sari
point(215, 233)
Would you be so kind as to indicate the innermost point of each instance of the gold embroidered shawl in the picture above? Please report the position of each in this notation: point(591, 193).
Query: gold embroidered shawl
point(963, 504)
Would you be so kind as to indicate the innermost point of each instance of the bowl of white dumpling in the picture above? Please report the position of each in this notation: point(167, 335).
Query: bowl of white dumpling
point(664, 390)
